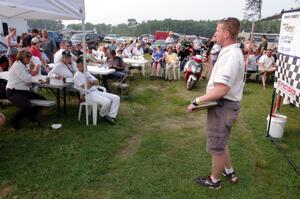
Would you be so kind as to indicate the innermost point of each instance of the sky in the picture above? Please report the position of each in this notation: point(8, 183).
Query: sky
point(118, 11)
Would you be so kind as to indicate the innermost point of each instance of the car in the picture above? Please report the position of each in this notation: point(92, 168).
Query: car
point(92, 39)
point(109, 37)
point(161, 43)
point(4, 64)
point(56, 36)
point(3, 48)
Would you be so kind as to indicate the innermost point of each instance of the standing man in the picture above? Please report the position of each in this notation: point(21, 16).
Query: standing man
point(48, 45)
point(226, 87)
point(197, 44)
point(27, 39)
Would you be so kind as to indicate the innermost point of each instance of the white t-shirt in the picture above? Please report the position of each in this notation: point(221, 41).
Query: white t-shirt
point(266, 61)
point(138, 52)
point(229, 70)
point(58, 56)
point(79, 80)
point(197, 43)
point(64, 70)
point(169, 40)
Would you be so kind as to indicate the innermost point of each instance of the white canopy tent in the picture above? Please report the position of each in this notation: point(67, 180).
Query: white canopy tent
point(43, 9)
point(46, 9)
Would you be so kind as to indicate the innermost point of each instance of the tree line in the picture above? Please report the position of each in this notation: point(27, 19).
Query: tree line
point(204, 28)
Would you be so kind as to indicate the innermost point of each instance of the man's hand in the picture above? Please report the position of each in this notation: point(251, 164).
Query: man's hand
point(191, 108)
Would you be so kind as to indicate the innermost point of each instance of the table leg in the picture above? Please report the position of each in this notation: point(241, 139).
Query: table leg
point(143, 69)
point(65, 107)
point(58, 101)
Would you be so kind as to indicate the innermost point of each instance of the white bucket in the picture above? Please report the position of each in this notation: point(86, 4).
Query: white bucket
point(277, 125)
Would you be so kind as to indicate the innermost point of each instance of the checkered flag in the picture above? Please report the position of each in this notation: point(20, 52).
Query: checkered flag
point(287, 82)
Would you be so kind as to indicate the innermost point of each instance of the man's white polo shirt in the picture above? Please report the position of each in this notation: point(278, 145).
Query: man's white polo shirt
point(229, 70)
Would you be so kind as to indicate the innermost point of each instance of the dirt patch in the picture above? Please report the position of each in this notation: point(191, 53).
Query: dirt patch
point(6, 189)
point(130, 148)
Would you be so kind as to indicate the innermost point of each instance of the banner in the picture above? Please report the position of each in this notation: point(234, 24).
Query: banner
point(287, 82)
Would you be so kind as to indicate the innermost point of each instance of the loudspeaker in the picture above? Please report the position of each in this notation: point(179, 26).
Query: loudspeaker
point(5, 29)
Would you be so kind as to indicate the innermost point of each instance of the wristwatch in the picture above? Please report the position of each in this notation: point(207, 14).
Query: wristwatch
point(195, 102)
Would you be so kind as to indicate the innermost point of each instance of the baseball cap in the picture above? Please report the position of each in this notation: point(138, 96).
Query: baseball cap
point(35, 40)
point(66, 53)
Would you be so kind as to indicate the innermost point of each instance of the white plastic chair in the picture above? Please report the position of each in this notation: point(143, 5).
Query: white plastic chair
point(91, 106)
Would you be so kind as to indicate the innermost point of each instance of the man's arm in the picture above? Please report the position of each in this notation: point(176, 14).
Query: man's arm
point(219, 91)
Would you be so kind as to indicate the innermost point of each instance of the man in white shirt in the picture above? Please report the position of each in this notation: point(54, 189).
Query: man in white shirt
point(197, 44)
point(64, 68)
point(170, 39)
point(226, 87)
point(266, 66)
point(138, 51)
point(64, 45)
point(109, 103)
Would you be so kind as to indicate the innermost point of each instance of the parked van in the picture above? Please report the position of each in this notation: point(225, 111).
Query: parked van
point(20, 25)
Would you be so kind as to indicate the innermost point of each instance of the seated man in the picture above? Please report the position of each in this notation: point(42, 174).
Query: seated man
point(91, 58)
point(64, 45)
point(114, 62)
point(266, 66)
point(65, 68)
point(109, 102)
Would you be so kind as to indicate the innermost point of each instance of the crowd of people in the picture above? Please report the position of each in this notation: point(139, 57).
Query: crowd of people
point(42, 50)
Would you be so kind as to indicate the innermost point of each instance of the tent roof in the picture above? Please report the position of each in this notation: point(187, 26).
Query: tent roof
point(43, 9)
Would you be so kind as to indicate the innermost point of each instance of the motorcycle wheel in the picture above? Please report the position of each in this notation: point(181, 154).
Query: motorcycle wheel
point(190, 84)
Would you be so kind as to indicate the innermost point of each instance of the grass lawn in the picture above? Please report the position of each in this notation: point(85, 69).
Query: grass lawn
point(154, 151)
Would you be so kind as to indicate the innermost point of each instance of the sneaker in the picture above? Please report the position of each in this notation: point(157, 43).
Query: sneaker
point(111, 120)
point(232, 177)
point(207, 182)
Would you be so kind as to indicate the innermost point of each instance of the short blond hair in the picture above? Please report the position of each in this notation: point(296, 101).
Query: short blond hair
point(232, 25)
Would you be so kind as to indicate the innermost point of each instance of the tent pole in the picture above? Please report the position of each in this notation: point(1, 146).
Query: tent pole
point(84, 66)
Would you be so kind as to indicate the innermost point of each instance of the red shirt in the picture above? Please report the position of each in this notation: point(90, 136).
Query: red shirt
point(35, 52)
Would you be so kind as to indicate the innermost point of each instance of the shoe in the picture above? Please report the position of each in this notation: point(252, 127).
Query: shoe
point(207, 182)
point(232, 177)
point(110, 120)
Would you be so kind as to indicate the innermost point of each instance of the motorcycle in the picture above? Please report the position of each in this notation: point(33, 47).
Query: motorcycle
point(193, 68)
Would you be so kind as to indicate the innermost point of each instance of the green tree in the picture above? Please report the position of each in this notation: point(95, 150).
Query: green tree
point(253, 9)
point(54, 25)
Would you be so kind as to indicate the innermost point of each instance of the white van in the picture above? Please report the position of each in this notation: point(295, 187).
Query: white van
point(5, 23)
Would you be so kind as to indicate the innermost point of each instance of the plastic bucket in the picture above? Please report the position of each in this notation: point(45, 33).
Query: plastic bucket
point(277, 125)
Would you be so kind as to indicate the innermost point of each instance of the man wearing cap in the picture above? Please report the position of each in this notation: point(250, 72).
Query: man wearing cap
point(109, 102)
point(36, 50)
point(226, 87)
point(65, 68)
point(64, 45)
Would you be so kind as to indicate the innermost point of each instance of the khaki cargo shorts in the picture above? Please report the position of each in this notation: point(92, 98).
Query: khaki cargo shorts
point(220, 119)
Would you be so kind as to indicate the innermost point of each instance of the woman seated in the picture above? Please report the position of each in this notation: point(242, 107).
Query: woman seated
point(172, 63)
point(18, 89)
point(66, 68)
point(109, 102)
point(157, 60)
